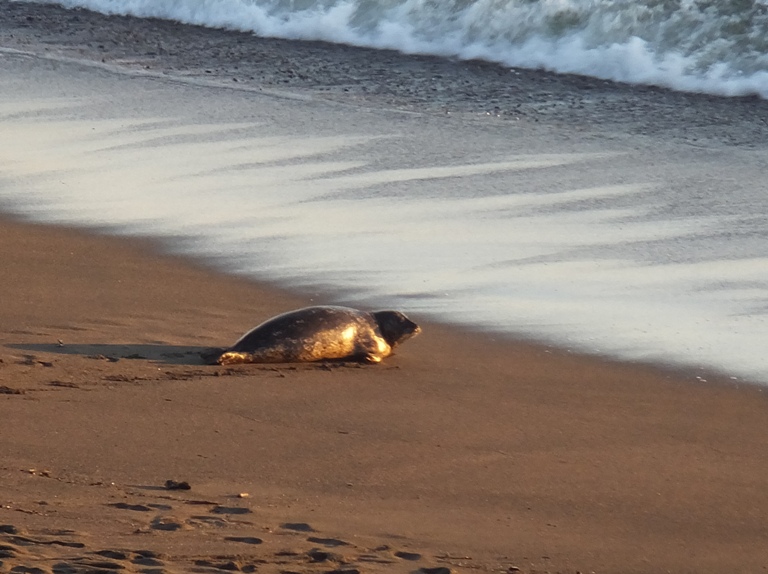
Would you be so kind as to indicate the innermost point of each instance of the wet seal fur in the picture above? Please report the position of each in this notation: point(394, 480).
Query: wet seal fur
point(319, 334)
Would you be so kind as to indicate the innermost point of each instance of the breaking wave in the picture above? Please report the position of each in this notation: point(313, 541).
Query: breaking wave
point(712, 46)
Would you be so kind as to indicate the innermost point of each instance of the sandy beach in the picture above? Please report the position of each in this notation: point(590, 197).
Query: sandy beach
point(472, 454)
point(464, 452)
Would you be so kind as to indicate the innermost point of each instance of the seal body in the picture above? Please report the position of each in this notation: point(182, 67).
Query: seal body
point(321, 333)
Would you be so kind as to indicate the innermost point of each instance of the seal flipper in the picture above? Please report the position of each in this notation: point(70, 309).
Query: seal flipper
point(227, 357)
point(372, 349)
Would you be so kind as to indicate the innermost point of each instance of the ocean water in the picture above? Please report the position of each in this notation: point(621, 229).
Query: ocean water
point(714, 46)
point(633, 248)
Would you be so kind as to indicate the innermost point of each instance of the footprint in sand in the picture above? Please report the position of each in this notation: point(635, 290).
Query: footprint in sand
point(19, 549)
point(201, 521)
point(234, 565)
point(244, 539)
point(134, 507)
point(23, 553)
point(138, 557)
point(375, 559)
point(316, 555)
point(53, 553)
point(111, 561)
point(167, 523)
point(325, 554)
point(411, 556)
point(24, 541)
point(113, 554)
point(162, 523)
point(231, 510)
point(10, 551)
point(87, 565)
point(329, 542)
point(60, 552)
point(297, 526)
point(147, 558)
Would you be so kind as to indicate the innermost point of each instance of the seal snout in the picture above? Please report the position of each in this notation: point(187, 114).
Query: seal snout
point(413, 332)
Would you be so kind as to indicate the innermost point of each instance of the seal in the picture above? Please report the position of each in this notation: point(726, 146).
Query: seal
point(320, 333)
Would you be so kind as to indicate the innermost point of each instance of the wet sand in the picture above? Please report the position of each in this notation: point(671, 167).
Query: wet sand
point(463, 451)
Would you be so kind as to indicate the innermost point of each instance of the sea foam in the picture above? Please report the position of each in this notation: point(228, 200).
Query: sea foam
point(691, 45)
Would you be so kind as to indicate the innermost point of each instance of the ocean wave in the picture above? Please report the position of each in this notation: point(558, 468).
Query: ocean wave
point(712, 46)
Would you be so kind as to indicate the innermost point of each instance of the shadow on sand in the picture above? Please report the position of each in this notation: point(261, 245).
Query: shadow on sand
point(165, 354)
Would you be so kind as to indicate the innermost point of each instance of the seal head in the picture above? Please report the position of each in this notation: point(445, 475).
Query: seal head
point(320, 333)
point(395, 327)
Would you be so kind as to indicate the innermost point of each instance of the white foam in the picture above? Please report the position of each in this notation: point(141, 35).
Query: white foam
point(689, 47)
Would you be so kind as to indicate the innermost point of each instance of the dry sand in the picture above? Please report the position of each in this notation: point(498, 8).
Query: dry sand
point(460, 452)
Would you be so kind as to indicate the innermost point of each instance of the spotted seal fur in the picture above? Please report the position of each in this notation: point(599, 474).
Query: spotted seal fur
point(320, 333)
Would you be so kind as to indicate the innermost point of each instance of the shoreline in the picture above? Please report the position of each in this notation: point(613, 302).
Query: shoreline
point(293, 297)
point(283, 296)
